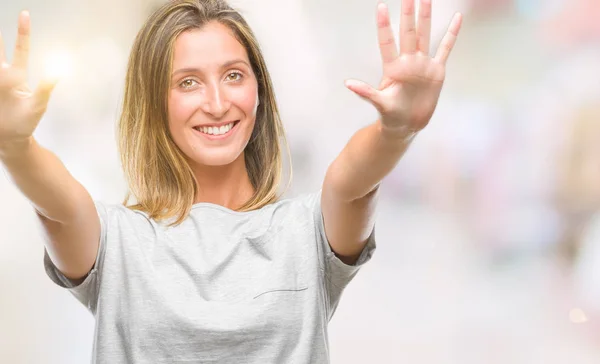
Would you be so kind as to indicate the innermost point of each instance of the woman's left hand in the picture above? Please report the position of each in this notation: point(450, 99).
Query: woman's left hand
point(412, 80)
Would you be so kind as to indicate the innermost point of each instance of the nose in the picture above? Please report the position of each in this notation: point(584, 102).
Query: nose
point(216, 102)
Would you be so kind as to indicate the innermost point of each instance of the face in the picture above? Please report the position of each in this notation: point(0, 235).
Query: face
point(213, 96)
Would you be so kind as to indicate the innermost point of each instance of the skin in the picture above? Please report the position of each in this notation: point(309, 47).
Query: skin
point(213, 83)
point(406, 99)
point(65, 208)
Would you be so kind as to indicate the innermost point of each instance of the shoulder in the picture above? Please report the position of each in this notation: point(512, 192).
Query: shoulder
point(300, 211)
point(299, 204)
point(118, 214)
point(307, 199)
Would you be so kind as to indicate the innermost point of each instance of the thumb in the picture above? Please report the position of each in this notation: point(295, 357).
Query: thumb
point(43, 91)
point(365, 91)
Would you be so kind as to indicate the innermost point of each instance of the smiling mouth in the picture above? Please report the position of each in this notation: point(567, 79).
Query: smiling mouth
point(216, 130)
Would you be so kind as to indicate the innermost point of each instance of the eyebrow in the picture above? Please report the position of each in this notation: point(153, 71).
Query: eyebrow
point(225, 65)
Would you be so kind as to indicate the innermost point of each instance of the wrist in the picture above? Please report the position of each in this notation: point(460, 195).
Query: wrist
point(13, 148)
point(399, 133)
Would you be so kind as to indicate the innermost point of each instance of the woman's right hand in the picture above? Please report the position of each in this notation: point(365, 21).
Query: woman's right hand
point(20, 108)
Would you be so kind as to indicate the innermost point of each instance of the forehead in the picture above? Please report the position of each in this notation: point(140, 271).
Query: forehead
point(211, 45)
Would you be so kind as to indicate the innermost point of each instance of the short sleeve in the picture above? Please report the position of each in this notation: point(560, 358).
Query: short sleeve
point(87, 291)
point(336, 273)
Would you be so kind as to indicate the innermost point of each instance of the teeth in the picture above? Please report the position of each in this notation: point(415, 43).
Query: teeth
point(215, 130)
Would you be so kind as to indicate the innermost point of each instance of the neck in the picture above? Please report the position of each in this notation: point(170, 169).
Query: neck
point(227, 186)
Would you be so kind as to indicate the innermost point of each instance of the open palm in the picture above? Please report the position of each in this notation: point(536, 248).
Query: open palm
point(20, 108)
point(412, 80)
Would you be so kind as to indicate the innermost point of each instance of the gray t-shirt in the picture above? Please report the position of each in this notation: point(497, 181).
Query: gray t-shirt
point(222, 287)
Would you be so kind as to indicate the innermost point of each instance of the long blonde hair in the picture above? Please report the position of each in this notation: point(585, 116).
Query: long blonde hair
point(159, 177)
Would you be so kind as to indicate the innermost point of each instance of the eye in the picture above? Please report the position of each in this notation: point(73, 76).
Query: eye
point(187, 83)
point(234, 76)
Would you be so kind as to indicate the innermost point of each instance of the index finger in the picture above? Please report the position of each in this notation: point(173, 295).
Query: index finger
point(387, 43)
point(22, 46)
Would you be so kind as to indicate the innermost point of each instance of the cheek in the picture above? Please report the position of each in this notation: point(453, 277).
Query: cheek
point(181, 108)
point(246, 99)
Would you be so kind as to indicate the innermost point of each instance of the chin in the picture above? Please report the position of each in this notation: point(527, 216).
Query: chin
point(216, 158)
point(214, 153)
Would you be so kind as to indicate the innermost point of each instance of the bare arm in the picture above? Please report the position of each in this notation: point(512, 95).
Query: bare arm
point(351, 185)
point(66, 210)
point(406, 99)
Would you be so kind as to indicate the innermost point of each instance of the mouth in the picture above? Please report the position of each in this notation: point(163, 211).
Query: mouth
point(217, 131)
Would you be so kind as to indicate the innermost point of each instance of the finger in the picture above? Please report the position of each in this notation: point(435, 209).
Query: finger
point(22, 45)
point(42, 93)
point(408, 37)
point(424, 27)
point(449, 40)
point(385, 35)
point(365, 91)
point(9, 78)
point(2, 55)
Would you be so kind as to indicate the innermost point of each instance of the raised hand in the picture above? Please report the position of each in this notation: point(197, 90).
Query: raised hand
point(20, 108)
point(412, 80)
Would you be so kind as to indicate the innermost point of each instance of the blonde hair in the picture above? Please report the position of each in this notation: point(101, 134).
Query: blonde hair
point(158, 175)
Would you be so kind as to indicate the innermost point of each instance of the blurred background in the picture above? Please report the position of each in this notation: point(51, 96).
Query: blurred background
point(488, 230)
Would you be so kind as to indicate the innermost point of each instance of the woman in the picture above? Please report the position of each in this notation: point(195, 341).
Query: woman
point(208, 265)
